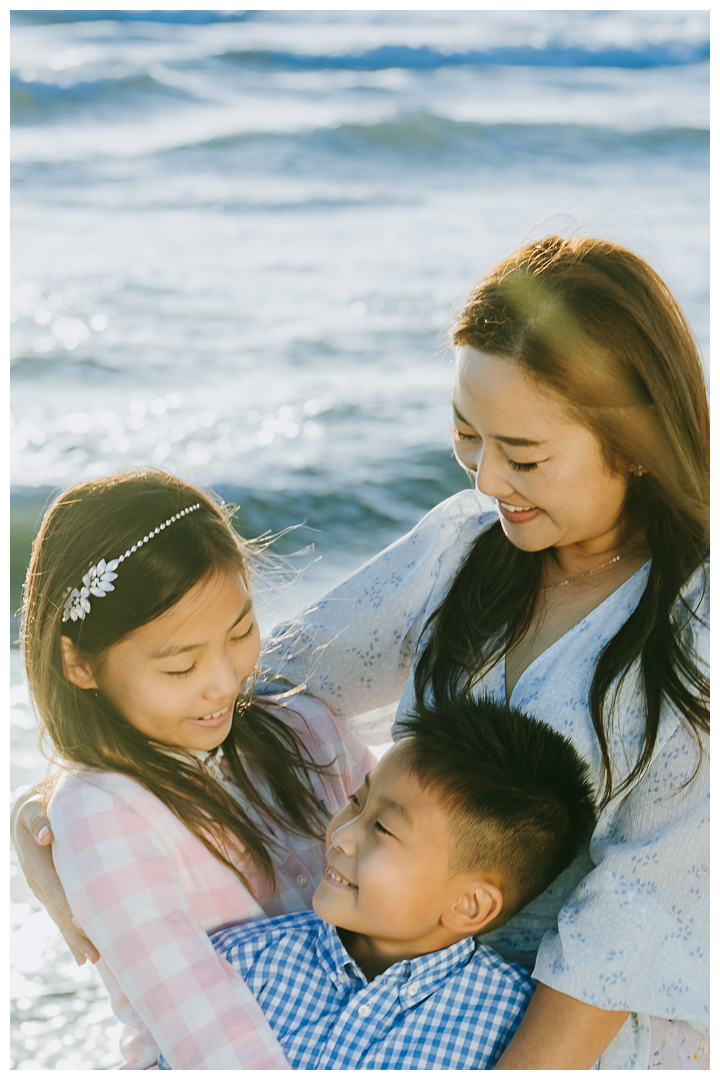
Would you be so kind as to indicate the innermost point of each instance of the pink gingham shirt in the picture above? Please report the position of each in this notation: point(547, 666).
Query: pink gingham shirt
point(148, 894)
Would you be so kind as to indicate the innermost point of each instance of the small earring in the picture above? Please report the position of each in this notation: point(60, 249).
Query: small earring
point(245, 699)
point(637, 469)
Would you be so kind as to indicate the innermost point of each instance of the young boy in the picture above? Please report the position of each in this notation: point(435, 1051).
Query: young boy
point(466, 819)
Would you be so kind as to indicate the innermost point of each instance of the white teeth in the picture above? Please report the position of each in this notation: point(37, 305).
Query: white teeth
point(214, 715)
point(337, 877)
point(515, 509)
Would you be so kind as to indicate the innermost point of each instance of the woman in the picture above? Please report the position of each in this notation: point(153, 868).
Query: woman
point(580, 408)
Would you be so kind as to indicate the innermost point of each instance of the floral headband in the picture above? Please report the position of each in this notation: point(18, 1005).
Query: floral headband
point(99, 579)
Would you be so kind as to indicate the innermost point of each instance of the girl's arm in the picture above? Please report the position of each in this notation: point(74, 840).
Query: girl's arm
point(140, 885)
point(560, 1032)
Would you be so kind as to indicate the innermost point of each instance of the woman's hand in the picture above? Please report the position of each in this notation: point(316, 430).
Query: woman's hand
point(560, 1032)
point(31, 835)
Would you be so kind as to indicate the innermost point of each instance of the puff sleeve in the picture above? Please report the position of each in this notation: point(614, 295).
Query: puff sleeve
point(354, 648)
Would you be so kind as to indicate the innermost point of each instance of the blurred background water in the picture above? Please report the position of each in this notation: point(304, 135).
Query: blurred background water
point(238, 239)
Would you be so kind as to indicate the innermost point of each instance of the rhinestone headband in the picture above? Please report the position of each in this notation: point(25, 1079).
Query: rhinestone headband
point(99, 579)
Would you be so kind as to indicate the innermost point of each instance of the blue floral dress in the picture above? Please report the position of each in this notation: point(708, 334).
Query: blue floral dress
point(626, 926)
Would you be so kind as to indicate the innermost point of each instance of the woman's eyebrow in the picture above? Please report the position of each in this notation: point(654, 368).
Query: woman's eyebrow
point(508, 439)
point(517, 442)
point(176, 650)
point(459, 416)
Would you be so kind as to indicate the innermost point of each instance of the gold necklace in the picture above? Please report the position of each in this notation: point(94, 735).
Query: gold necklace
point(569, 581)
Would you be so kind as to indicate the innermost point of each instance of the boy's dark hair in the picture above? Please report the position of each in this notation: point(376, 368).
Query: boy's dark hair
point(518, 793)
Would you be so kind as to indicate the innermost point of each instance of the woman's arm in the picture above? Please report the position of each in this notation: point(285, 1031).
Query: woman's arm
point(354, 648)
point(32, 839)
point(633, 937)
point(560, 1032)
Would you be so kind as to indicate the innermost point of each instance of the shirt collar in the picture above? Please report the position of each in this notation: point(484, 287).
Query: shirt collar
point(426, 973)
point(336, 961)
point(421, 975)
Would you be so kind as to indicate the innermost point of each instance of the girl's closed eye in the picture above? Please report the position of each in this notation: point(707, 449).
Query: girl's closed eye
point(186, 671)
point(234, 640)
point(381, 829)
point(523, 466)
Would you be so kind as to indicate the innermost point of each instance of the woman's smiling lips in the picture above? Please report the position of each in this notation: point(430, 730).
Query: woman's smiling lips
point(216, 719)
point(332, 877)
point(517, 514)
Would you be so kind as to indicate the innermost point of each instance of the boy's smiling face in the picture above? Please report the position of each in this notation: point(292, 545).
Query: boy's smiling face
point(389, 874)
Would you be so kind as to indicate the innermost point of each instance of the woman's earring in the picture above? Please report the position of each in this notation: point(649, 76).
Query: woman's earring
point(637, 469)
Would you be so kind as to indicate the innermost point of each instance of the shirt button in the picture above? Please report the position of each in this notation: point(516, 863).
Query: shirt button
point(302, 880)
point(412, 989)
point(363, 1011)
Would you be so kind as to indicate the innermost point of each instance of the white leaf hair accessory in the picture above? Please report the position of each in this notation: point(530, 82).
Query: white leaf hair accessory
point(99, 579)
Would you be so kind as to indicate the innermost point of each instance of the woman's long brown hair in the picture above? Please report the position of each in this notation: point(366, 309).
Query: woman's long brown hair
point(592, 323)
point(267, 759)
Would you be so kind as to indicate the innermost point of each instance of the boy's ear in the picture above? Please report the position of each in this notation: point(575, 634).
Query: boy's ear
point(474, 909)
point(75, 668)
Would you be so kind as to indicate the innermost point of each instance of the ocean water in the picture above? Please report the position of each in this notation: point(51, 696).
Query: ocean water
point(238, 240)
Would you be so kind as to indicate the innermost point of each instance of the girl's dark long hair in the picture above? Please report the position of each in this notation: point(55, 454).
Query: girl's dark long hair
point(267, 759)
point(595, 325)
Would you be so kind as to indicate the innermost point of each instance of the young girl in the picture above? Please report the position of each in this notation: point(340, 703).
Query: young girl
point(185, 804)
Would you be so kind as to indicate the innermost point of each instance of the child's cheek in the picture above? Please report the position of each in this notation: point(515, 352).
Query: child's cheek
point(378, 875)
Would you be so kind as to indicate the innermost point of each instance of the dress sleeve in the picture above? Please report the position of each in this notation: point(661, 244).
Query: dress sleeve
point(634, 934)
point(354, 647)
point(124, 889)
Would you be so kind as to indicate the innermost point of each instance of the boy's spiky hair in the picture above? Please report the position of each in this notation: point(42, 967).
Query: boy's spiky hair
point(518, 793)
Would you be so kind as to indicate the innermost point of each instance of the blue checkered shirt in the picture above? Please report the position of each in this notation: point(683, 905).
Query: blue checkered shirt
point(453, 1009)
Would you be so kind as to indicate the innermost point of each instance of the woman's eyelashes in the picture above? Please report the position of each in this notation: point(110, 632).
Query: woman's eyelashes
point(463, 436)
point(518, 466)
